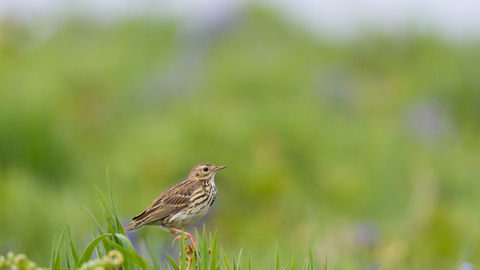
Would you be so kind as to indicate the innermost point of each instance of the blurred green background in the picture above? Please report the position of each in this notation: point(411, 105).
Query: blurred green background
point(368, 149)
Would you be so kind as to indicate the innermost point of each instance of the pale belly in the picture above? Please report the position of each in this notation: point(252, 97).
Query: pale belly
point(188, 216)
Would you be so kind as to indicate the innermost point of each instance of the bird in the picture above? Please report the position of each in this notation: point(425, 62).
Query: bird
point(182, 205)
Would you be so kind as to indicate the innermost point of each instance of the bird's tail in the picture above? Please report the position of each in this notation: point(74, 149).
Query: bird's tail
point(132, 226)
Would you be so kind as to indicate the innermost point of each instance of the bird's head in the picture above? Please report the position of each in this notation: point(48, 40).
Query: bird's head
point(205, 171)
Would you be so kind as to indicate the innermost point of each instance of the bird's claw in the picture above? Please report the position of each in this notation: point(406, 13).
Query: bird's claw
point(178, 237)
point(194, 241)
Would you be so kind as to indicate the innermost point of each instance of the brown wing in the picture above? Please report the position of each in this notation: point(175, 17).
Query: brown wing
point(170, 201)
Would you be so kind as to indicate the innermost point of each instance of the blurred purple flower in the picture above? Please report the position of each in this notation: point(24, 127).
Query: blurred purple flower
point(427, 120)
point(466, 266)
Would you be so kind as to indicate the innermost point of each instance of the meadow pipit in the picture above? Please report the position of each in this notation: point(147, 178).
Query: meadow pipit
point(182, 205)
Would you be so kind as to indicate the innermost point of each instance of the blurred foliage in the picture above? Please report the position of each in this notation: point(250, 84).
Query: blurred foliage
point(19, 261)
point(114, 250)
point(367, 149)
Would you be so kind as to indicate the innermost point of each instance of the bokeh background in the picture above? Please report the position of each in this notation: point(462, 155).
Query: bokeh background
point(350, 126)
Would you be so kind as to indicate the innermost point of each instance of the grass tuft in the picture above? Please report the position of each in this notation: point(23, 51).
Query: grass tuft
point(113, 239)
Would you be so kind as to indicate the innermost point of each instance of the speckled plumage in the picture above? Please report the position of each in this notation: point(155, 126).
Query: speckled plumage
point(182, 205)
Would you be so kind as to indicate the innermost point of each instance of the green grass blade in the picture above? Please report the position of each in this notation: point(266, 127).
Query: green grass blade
point(56, 262)
point(199, 247)
point(67, 258)
point(52, 258)
point(97, 249)
point(218, 265)
point(325, 263)
point(110, 225)
point(310, 257)
point(131, 255)
point(103, 202)
point(204, 249)
point(90, 248)
point(72, 247)
point(249, 261)
point(197, 236)
point(112, 203)
point(120, 228)
point(277, 258)
point(99, 228)
point(239, 258)
point(199, 250)
point(183, 255)
point(172, 262)
point(225, 261)
point(214, 252)
point(96, 222)
point(154, 256)
point(292, 262)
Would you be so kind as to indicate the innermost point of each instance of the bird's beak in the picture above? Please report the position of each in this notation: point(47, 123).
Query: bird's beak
point(218, 168)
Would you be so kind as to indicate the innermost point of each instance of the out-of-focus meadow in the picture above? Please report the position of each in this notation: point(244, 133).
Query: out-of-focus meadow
point(367, 149)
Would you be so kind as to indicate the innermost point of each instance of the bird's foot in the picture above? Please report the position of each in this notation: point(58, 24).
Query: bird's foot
point(187, 235)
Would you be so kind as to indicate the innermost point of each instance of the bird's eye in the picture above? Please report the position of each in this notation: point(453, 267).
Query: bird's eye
point(205, 169)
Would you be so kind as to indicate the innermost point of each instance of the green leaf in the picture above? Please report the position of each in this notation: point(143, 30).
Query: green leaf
point(99, 252)
point(183, 255)
point(131, 255)
point(239, 258)
point(292, 261)
point(124, 240)
point(120, 228)
point(199, 250)
point(143, 247)
point(96, 222)
point(225, 261)
point(310, 257)
point(67, 258)
point(99, 228)
point(90, 248)
point(214, 252)
point(56, 259)
point(218, 265)
point(277, 258)
point(153, 253)
point(103, 202)
point(172, 262)
point(72, 247)
point(52, 258)
point(114, 211)
point(204, 249)
point(249, 261)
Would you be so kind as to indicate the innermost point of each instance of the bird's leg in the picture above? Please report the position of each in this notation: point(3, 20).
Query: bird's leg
point(189, 249)
point(178, 236)
point(194, 241)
